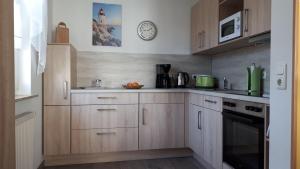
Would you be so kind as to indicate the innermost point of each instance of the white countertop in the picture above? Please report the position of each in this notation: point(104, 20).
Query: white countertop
point(197, 91)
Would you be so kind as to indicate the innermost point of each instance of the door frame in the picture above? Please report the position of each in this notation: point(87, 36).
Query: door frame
point(7, 86)
point(295, 161)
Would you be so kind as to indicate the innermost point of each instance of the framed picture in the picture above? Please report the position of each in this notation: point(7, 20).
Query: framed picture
point(107, 24)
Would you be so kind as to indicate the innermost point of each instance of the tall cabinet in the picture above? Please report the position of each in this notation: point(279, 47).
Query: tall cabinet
point(59, 78)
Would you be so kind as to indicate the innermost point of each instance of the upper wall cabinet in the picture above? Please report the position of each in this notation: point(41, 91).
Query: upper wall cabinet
point(257, 17)
point(204, 25)
point(206, 15)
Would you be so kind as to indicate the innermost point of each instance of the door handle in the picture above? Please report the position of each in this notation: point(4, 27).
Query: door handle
point(246, 29)
point(65, 90)
point(210, 101)
point(199, 120)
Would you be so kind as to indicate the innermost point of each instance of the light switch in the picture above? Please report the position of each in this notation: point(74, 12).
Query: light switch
point(281, 77)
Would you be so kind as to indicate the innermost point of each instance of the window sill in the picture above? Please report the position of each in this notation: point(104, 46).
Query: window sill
point(26, 97)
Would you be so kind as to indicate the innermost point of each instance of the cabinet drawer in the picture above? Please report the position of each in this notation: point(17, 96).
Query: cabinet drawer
point(196, 99)
point(104, 140)
point(213, 103)
point(161, 98)
point(104, 98)
point(104, 116)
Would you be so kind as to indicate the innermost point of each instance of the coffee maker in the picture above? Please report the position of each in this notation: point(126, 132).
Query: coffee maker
point(162, 76)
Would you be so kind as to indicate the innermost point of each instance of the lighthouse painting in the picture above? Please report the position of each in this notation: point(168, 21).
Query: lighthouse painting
point(107, 25)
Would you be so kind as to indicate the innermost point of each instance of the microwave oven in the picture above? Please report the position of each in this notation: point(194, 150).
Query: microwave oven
point(230, 27)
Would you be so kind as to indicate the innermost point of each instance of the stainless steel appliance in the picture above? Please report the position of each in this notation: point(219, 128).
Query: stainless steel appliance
point(243, 134)
point(183, 79)
point(230, 27)
point(163, 79)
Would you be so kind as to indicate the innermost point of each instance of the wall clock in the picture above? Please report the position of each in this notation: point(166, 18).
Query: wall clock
point(147, 30)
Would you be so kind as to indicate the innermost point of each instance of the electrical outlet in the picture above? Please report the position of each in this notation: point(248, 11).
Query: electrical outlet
point(281, 74)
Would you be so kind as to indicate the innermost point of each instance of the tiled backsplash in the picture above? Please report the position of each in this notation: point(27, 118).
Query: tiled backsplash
point(232, 65)
point(115, 69)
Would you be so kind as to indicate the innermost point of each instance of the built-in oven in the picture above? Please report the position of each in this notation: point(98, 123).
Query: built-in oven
point(230, 27)
point(243, 134)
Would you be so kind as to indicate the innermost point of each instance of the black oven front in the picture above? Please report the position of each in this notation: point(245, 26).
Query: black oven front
point(243, 139)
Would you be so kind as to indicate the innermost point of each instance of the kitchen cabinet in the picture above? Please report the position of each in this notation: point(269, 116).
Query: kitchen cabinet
point(161, 126)
point(204, 26)
point(212, 137)
point(104, 140)
point(60, 74)
point(56, 130)
point(195, 129)
point(257, 17)
point(205, 129)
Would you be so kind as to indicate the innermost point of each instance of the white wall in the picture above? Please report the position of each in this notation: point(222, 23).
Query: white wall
point(172, 18)
point(281, 100)
point(34, 105)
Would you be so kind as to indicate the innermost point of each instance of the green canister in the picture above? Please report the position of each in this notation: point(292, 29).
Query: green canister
point(255, 80)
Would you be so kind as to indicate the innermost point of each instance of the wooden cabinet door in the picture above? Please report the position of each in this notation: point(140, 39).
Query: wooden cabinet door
point(194, 28)
point(212, 135)
point(195, 129)
point(57, 76)
point(161, 126)
point(56, 130)
point(257, 17)
point(213, 22)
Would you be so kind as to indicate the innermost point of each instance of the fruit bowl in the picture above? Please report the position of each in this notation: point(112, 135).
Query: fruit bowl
point(133, 85)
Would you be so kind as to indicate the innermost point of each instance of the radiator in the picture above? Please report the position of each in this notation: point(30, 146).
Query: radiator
point(24, 140)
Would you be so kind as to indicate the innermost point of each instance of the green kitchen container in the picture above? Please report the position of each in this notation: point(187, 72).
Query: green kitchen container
point(255, 80)
point(205, 81)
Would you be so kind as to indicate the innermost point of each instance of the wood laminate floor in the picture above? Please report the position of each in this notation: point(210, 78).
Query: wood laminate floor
point(170, 163)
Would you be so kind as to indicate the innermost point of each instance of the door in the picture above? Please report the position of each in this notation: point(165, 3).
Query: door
point(212, 135)
point(7, 87)
point(57, 130)
point(213, 22)
point(57, 75)
point(194, 28)
point(161, 126)
point(257, 17)
point(196, 129)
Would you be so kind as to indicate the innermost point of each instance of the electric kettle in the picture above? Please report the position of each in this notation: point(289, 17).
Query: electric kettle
point(254, 80)
point(183, 79)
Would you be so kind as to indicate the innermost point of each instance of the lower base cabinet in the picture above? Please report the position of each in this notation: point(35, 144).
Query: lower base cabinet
point(205, 132)
point(57, 130)
point(104, 140)
point(161, 126)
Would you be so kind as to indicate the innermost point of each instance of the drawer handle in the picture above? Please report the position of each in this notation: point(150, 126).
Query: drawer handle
point(107, 97)
point(106, 109)
point(106, 133)
point(199, 120)
point(210, 101)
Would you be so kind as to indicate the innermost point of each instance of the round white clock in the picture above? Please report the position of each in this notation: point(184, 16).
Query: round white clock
point(147, 30)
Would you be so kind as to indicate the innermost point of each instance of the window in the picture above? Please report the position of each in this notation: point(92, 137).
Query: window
point(22, 50)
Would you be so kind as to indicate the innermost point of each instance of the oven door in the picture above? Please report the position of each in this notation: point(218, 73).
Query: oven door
point(243, 140)
point(230, 28)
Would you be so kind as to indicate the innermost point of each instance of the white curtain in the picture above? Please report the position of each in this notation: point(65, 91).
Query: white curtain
point(37, 12)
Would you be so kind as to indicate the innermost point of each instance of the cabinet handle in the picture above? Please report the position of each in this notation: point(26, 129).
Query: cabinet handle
point(105, 133)
point(199, 120)
point(210, 101)
point(203, 39)
point(106, 109)
point(65, 90)
point(199, 40)
point(143, 117)
point(107, 97)
point(246, 29)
